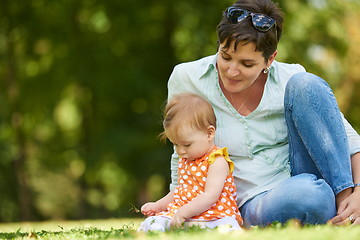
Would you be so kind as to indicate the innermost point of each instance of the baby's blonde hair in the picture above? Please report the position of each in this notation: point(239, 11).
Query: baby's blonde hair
point(187, 109)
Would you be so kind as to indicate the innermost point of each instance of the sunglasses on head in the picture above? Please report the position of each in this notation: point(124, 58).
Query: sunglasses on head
point(261, 22)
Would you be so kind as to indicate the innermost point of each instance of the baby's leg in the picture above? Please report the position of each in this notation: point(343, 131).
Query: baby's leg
point(155, 223)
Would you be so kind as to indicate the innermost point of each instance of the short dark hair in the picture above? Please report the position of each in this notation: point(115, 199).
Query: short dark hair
point(266, 42)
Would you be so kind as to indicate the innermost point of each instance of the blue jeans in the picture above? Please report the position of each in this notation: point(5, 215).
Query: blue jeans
point(319, 158)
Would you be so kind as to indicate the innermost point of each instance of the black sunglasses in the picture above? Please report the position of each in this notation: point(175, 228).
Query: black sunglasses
point(261, 22)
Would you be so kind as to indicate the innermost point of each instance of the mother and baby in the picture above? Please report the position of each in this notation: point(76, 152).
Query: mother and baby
point(282, 149)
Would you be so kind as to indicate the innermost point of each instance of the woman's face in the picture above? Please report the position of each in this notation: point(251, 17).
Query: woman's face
point(239, 69)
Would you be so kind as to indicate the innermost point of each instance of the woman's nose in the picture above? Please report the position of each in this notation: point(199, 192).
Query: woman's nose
point(233, 70)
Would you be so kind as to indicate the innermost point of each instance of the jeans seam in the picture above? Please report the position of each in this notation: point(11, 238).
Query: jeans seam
point(342, 187)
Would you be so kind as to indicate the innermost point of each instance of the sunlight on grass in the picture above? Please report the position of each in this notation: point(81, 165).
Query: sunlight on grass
point(68, 225)
point(126, 228)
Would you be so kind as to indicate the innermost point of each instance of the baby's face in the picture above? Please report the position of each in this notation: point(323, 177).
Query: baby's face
point(192, 144)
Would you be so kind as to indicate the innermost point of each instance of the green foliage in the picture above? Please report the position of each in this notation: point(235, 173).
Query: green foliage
point(82, 84)
point(91, 233)
point(110, 230)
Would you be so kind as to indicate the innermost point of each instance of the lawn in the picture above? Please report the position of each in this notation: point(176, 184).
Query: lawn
point(126, 229)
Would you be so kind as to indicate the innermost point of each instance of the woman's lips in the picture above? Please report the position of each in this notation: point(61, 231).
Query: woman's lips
point(233, 81)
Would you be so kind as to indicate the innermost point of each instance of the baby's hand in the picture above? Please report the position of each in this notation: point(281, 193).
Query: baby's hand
point(150, 209)
point(177, 221)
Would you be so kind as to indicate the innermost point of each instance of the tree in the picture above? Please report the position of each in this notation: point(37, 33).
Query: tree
point(82, 84)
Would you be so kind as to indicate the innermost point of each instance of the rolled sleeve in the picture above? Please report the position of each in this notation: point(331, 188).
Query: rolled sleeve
point(174, 170)
point(353, 137)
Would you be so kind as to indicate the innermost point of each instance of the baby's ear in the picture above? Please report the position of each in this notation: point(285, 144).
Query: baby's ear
point(211, 132)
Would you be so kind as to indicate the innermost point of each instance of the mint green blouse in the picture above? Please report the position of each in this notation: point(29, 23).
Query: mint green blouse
point(257, 143)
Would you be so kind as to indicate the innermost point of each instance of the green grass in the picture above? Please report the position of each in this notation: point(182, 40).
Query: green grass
point(126, 229)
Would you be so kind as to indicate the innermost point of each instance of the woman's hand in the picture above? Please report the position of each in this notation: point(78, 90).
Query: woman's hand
point(348, 209)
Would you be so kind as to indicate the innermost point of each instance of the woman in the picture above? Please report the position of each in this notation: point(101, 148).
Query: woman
point(295, 155)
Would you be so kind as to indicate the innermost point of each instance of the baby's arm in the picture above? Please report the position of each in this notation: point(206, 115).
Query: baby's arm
point(215, 181)
point(151, 208)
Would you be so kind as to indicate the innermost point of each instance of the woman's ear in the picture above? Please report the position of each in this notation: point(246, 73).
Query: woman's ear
point(272, 58)
point(211, 132)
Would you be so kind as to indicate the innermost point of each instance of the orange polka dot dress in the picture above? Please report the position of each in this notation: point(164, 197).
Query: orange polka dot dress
point(192, 180)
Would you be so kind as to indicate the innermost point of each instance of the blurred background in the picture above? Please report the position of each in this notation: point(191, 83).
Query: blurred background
point(82, 85)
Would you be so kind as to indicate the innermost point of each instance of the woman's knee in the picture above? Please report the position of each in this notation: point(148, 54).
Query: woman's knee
point(308, 96)
point(305, 86)
point(305, 80)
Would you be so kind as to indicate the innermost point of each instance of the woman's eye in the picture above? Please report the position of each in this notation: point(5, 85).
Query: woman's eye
point(248, 65)
point(225, 57)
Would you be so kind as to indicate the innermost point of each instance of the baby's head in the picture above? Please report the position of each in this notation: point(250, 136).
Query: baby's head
point(189, 122)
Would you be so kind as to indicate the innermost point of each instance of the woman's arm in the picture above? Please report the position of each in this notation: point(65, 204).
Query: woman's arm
point(355, 197)
point(349, 200)
point(353, 137)
point(215, 181)
point(355, 164)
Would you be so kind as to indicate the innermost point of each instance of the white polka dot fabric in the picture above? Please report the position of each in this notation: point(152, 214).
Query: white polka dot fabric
point(192, 181)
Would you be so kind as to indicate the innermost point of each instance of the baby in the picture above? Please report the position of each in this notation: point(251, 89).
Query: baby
point(206, 192)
